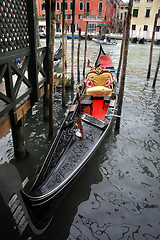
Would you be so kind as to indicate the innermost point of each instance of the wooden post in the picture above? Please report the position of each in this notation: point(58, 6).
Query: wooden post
point(51, 67)
point(65, 43)
point(73, 17)
point(85, 50)
point(122, 82)
point(156, 73)
point(79, 43)
point(122, 48)
point(46, 63)
point(17, 126)
point(33, 66)
point(18, 140)
point(37, 27)
point(63, 55)
point(151, 48)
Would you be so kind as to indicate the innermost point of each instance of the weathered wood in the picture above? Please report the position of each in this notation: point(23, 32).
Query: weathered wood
point(156, 72)
point(46, 65)
point(78, 53)
point(18, 139)
point(151, 48)
point(37, 28)
point(122, 82)
point(63, 54)
point(122, 48)
point(33, 68)
point(5, 123)
point(65, 43)
point(73, 30)
point(85, 50)
point(51, 67)
point(22, 109)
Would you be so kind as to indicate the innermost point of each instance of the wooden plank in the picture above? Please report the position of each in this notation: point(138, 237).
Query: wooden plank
point(5, 123)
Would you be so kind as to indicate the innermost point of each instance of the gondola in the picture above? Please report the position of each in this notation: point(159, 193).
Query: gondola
point(134, 40)
point(142, 40)
point(81, 132)
point(86, 124)
point(104, 42)
point(70, 36)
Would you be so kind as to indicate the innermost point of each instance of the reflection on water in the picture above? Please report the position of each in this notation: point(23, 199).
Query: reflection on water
point(117, 195)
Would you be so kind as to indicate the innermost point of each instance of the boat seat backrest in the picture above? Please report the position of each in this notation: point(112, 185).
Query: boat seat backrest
point(100, 79)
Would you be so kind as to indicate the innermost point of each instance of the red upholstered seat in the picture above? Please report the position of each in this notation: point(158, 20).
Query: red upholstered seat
point(105, 61)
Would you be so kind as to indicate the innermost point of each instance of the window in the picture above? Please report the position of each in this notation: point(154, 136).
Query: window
point(58, 7)
point(100, 7)
point(157, 28)
point(81, 6)
point(133, 27)
point(147, 12)
point(135, 12)
point(58, 16)
point(66, 6)
point(43, 6)
point(80, 16)
point(71, 6)
point(92, 27)
point(87, 7)
point(137, 0)
point(121, 16)
point(149, 0)
point(145, 28)
point(61, 6)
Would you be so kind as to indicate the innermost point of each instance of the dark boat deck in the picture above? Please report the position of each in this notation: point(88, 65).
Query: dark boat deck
point(73, 158)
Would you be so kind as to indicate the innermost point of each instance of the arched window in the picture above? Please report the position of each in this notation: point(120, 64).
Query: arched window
point(71, 6)
point(100, 7)
point(87, 7)
point(81, 6)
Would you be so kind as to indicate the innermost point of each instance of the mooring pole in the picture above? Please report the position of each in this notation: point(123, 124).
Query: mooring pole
point(51, 67)
point(122, 82)
point(156, 73)
point(73, 30)
point(46, 63)
point(63, 54)
point(85, 50)
point(122, 47)
point(151, 48)
point(65, 43)
point(78, 53)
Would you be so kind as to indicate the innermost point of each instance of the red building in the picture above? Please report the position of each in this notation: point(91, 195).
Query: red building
point(94, 11)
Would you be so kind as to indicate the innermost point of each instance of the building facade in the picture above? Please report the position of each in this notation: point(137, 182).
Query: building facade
point(94, 11)
point(143, 17)
point(123, 9)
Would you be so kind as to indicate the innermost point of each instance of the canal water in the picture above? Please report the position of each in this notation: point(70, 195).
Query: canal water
point(117, 196)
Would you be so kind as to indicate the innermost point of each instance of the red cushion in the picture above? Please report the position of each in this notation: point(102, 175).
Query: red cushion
point(105, 61)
